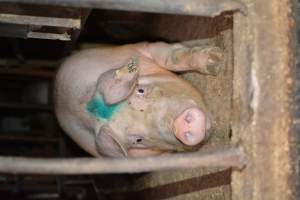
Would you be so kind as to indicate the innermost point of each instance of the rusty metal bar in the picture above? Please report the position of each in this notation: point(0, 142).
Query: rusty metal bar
point(187, 7)
point(222, 158)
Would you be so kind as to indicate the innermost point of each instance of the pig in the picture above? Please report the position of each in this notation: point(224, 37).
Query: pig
point(126, 101)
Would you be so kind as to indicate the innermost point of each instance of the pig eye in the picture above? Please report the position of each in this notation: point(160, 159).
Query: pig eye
point(138, 140)
point(141, 91)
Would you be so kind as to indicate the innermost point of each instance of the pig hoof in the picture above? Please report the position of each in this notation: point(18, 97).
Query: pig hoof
point(177, 54)
point(207, 60)
point(214, 61)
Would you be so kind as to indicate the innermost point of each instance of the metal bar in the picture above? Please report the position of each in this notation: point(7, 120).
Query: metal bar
point(222, 158)
point(49, 36)
point(187, 7)
point(70, 46)
point(40, 21)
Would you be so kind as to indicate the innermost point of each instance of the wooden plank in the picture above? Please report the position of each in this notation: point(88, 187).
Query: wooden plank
point(263, 101)
point(41, 22)
point(172, 190)
point(40, 10)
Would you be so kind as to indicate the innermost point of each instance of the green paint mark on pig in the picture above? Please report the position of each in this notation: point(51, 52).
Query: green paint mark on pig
point(99, 109)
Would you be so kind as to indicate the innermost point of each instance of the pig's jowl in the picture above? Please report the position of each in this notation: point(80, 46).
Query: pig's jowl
point(125, 101)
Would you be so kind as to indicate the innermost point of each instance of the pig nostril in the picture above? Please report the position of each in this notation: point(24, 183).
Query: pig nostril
point(190, 126)
point(139, 140)
point(188, 118)
point(188, 135)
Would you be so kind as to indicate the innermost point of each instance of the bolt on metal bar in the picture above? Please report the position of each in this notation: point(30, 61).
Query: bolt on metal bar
point(208, 8)
point(233, 157)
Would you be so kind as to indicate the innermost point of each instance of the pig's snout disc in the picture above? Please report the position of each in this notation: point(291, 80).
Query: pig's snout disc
point(190, 126)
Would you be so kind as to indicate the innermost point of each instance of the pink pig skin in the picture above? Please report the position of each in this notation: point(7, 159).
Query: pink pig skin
point(152, 110)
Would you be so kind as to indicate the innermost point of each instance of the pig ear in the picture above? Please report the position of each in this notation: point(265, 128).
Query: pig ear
point(108, 145)
point(117, 84)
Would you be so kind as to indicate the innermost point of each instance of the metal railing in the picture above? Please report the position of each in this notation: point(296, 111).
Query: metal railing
point(232, 157)
point(187, 7)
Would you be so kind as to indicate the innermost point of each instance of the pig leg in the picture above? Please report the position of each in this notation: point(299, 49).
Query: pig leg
point(176, 57)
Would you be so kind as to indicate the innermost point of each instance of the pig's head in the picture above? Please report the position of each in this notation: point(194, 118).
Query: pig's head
point(147, 115)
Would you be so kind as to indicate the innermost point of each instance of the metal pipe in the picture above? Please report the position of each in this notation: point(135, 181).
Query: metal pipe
point(233, 157)
point(40, 21)
point(208, 8)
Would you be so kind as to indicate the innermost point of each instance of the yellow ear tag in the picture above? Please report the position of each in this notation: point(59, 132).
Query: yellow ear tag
point(130, 67)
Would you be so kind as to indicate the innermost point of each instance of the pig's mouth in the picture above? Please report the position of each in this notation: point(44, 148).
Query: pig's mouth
point(147, 149)
point(151, 147)
point(138, 152)
point(138, 142)
point(158, 149)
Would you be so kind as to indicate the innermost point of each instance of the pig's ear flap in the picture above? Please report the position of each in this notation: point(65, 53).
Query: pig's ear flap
point(117, 84)
point(108, 145)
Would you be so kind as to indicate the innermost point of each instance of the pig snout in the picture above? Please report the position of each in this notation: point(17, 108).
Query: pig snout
point(190, 126)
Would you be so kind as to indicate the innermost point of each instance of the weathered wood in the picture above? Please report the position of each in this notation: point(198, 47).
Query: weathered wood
point(196, 184)
point(40, 10)
point(263, 102)
point(42, 22)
